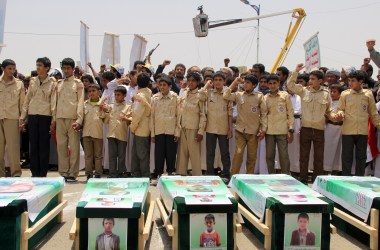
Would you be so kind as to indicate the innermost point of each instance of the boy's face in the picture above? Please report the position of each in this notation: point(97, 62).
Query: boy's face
point(335, 95)
point(355, 84)
point(67, 70)
point(93, 93)
point(273, 85)
point(192, 83)
point(218, 82)
point(9, 70)
point(209, 224)
point(41, 69)
point(164, 87)
point(108, 226)
point(302, 223)
point(119, 97)
point(314, 82)
point(248, 86)
point(86, 82)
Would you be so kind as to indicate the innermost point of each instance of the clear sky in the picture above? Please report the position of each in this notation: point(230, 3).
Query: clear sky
point(51, 28)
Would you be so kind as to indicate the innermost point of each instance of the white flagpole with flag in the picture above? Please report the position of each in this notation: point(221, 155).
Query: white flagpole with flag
point(312, 53)
point(110, 50)
point(3, 6)
point(138, 50)
point(84, 46)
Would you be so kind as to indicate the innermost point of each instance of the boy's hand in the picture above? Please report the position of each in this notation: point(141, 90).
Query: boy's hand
point(76, 126)
point(290, 137)
point(370, 44)
point(89, 64)
point(236, 82)
point(229, 134)
point(153, 139)
point(176, 138)
point(366, 60)
point(339, 117)
point(208, 84)
point(261, 135)
point(226, 62)
point(199, 138)
point(166, 62)
point(299, 67)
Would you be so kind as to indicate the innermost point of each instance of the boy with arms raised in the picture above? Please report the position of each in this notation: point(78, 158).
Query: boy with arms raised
point(251, 123)
point(219, 123)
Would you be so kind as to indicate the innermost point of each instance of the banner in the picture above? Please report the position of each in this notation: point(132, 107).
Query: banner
point(138, 50)
point(255, 189)
point(84, 48)
point(3, 6)
point(110, 50)
point(354, 193)
point(312, 53)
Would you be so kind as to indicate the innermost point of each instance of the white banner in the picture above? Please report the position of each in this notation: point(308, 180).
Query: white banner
point(312, 53)
point(84, 48)
point(110, 50)
point(3, 6)
point(138, 50)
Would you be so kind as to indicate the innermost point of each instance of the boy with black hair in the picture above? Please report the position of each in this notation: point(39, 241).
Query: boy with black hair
point(118, 117)
point(280, 125)
point(140, 127)
point(315, 105)
point(302, 236)
point(12, 96)
point(219, 123)
point(69, 118)
point(93, 133)
point(251, 123)
point(164, 127)
point(210, 237)
point(192, 121)
point(39, 107)
point(282, 73)
point(333, 134)
point(355, 106)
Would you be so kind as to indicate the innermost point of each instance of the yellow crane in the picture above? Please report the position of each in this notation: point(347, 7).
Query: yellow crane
point(201, 26)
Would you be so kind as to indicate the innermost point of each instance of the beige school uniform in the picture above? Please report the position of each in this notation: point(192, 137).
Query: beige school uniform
point(252, 117)
point(117, 128)
point(12, 96)
point(70, 95)
point(192, 121)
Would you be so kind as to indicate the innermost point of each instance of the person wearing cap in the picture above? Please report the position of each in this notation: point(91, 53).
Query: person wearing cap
point(39, 107)
point(219, 123)
point(355, 106)
point(316, 105)
point(332, 77)
point(118, 70)
point(12, 95)
point(346, 70)
point(140, 127)
point(251, 123)
point(69, 118)
point(164, 127)
point(192, 122)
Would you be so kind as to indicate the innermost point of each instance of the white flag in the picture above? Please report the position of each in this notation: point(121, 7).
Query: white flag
point(3, 6)
point(312, 53)
point(84, 48)
point(138, 50)
point(110, 50)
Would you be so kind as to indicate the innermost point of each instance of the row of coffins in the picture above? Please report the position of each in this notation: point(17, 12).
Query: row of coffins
point(197, 212)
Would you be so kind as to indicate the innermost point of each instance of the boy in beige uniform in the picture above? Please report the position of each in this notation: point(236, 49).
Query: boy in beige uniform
point(140, 127)
point(118, 118)
point(192, 121)
point(164, 127)
point(251, 121)
point(355, 106)
point(93, 132)
point(280, 125)
point(219, 123)
point(12, 96)
point(69, 118)
point(316, 105)
point(39, 107)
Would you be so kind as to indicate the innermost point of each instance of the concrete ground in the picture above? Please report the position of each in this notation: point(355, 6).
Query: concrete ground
point(58, 238)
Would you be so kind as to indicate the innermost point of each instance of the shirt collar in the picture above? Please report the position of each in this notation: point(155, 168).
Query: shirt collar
point(8, 83)
point(356, 92)
point(70, 78)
